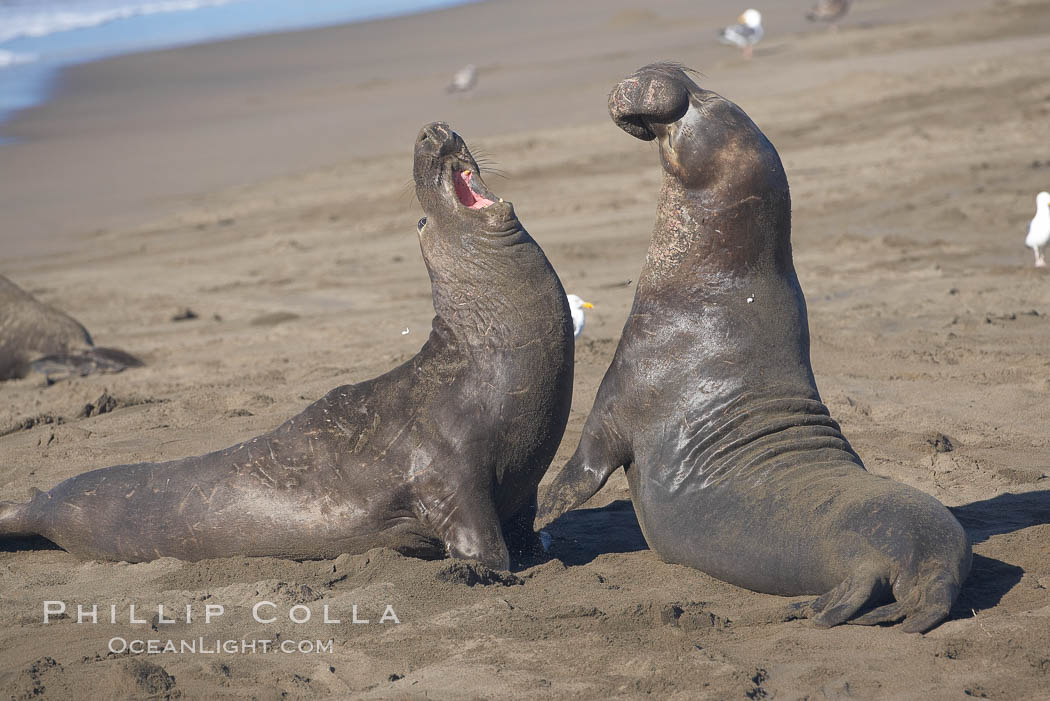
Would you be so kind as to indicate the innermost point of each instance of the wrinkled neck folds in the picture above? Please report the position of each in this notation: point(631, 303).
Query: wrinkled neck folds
point(492, 287)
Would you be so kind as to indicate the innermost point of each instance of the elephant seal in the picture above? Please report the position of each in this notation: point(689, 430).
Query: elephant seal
point(441, 454)
point(734, 464)
point(34, 335)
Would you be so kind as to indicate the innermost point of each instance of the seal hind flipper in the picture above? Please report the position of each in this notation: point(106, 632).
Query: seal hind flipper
point(114, 357)
point(924, 606)
point(17, 519)
point(934, 603)
point(86, 362)
point(927, 603)
point(890, 613)
point(850, 596)
point(12, 519)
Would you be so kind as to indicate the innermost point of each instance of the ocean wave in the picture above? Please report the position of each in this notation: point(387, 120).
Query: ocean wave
point(10, 58)
point(19, 20)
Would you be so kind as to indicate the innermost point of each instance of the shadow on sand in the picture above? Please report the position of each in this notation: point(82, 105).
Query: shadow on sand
point(579, 536)
point(20, 543)
point(1005, 513)
point(990, 579)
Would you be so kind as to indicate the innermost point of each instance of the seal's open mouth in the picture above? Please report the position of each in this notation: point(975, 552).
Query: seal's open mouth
point(472, 194)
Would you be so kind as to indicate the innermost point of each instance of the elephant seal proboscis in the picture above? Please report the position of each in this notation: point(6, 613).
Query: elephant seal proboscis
point(34, 335)
point(734, 464)
point(441, 454)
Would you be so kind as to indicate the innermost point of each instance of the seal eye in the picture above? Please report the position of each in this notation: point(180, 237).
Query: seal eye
point(419, 225)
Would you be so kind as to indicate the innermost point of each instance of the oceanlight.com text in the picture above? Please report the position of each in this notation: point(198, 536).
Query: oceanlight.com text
point(205, 646)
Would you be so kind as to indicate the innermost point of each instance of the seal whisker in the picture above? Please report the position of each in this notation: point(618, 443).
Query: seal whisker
point(498, 172)
point(407, 191)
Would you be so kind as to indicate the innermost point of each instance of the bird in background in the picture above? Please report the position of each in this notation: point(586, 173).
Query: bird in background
point(465, 79)
point(746, 34)
point(830, 11)
point(576, 307)
point(1039, 228)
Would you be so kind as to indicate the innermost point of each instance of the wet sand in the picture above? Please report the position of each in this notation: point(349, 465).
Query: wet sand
point(262, 183)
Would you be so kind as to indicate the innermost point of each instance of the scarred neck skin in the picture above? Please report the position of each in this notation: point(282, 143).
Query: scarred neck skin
point(501, 293)
point(713, 237)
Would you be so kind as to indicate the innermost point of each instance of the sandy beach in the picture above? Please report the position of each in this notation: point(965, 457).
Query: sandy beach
point(263, 183)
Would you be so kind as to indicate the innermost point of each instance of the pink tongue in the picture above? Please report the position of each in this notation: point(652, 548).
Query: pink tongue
point(467, 196)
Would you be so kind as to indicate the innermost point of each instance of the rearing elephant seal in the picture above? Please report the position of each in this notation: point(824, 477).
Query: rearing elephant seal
point(735, 466)
point(441, 454)
point(36, 335)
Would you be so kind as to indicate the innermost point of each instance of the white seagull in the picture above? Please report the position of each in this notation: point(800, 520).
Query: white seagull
point(1038, 228)
point(746, 34)
point(576, 306)
point(465, 79)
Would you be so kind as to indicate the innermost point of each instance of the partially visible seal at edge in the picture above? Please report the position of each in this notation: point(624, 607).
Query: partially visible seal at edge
point(36, 336)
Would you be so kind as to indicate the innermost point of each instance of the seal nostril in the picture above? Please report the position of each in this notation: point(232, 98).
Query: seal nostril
point(436, 133)
point(636, 127)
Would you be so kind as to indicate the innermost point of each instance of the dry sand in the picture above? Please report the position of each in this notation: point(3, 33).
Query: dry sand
point(276, 208)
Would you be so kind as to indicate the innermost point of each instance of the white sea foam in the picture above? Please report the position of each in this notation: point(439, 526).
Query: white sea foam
point(10, 58)
point(20, 19)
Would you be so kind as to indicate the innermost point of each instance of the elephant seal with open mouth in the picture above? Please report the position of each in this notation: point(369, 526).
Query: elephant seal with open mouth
point(734, 464)
point(442, 454)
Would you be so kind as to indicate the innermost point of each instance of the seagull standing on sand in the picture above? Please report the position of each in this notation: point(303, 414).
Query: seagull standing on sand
point(830, 11)
point(576, 306)
point(746, 34)
point(1038, 228)
point(465, 79)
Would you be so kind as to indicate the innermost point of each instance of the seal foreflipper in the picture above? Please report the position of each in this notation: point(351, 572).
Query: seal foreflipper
point(586, 472)
point(602, 450)
point(472, 530)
